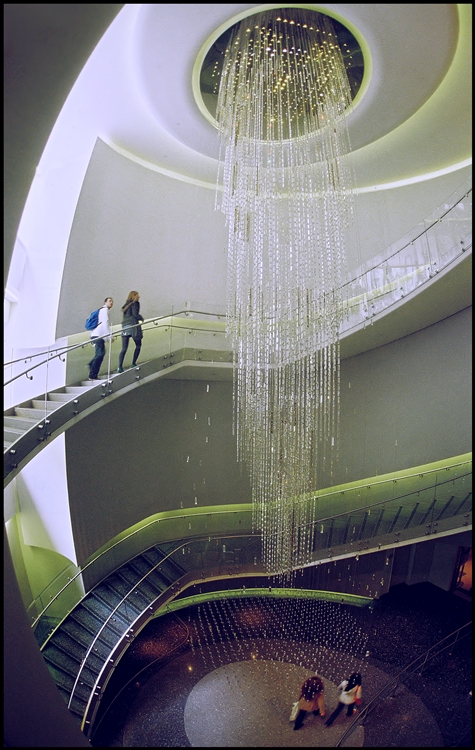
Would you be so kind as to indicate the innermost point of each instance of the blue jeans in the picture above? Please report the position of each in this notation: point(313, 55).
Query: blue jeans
point(96, 361)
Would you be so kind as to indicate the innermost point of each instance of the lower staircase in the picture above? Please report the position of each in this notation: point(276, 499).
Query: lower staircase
point(82, 651)
point(19, 419)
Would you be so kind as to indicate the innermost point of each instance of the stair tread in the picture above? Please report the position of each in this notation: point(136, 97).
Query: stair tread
point(50, 405)
point(74, 389)
point(30, 412)
point(11, 420)
point(13, 431)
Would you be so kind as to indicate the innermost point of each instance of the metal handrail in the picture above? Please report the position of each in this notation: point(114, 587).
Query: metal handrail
point(392, 684)
point(143, 669)
point(392, 499)
point(119, 541)
point(314, 523)
point(60, 351)
point(108, 619)
point(410, 242)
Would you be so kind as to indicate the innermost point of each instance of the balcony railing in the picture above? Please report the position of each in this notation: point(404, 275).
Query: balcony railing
point(379, 513)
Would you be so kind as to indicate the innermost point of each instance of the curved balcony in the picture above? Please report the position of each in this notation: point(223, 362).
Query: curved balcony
point(195, 340)
point(149, 569)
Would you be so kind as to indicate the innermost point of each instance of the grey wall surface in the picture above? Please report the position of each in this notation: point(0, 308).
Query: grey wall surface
point(159, 447)
point(155, 449)
point(135, 228)
point(409, 402)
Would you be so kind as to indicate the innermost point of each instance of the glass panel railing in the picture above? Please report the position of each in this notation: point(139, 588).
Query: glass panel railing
point(164, 529)
point(198, 330)
point(379, 512)
point(430, 247)
point(392, 510)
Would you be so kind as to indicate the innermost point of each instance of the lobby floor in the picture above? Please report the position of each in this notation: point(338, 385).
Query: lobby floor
point(173, 696)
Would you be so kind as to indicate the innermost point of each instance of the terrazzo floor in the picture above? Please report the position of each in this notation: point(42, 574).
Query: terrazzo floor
point(179, 700)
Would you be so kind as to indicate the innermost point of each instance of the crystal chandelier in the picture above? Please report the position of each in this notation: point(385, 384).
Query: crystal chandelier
point(281, 108)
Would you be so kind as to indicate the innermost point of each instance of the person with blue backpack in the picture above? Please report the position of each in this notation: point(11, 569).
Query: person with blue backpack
point(101, 331)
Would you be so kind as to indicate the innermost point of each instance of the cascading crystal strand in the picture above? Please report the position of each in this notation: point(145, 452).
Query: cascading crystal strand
point(281, 109)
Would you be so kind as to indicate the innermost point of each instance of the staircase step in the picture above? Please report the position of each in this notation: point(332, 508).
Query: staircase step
point(29, 412)
point(146, 592)
point(77, 708)
point(74, 389)
point(117, 623)
point(69, 645)
point(123, 586)
point(107, 640)
point(11, 434)
point(126, 612)
point(19, 423)
point(82, 691)
point(63, 397)
point(61, 678)
point(40, 404)
point(77, 632)
point(86, 620)
point(171, 570)
point(71, 628)
point(61, 660)
point(111, 597)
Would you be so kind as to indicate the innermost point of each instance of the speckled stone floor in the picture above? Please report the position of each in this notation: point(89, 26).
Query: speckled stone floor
point(177, 699)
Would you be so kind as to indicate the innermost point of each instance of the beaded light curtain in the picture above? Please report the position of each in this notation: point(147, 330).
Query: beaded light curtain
point(281, 109)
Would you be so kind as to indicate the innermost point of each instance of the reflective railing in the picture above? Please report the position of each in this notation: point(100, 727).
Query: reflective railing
point(433, 245)
point(163, 529)
point(375, 514)
point(416, 666)
point(444, 236)
point(61, 364)
point(194, 337)
point(432, 501)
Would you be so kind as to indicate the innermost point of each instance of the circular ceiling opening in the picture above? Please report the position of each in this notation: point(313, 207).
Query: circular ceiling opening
point(310, 25)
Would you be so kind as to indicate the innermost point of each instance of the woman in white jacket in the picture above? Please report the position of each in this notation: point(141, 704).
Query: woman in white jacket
point(350, 692)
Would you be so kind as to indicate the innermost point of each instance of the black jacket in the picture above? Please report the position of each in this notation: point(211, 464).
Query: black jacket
point(131, 316)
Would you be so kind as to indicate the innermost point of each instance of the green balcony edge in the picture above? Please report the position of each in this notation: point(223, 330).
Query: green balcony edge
point(269, 592)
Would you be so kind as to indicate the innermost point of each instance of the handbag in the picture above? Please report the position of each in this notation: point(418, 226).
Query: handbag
point(294, 711)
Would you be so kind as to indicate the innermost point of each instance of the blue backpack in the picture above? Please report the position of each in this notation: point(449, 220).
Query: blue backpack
point(92, 321)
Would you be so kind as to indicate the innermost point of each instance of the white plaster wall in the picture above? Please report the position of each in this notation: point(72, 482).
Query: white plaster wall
point(43, 501)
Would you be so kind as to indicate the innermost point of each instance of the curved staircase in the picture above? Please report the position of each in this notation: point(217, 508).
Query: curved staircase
point(20, 419)
point(83, 650)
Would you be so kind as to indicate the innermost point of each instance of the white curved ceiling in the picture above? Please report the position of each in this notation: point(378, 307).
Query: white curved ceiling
point(135, 93)
point(413, 119)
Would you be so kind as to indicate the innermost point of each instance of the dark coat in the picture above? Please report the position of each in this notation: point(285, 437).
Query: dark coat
point(130, 316)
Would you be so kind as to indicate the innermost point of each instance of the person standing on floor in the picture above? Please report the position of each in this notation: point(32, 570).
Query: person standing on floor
point(101, 331)
point(131, 328)
point(350, 692)
point(310, 699)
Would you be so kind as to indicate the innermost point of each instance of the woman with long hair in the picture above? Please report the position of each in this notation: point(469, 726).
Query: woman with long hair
point(310, 699)
point(131, 328)
point(350, 692)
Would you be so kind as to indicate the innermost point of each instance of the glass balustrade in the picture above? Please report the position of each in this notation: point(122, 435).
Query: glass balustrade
point(197, 332)
point(429, 248)
point(348, 520)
